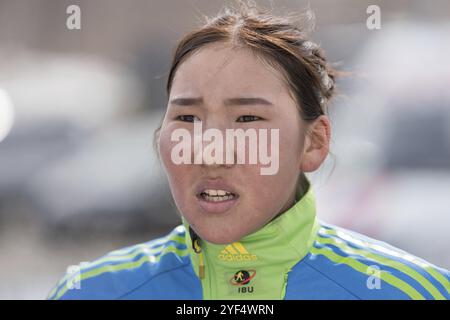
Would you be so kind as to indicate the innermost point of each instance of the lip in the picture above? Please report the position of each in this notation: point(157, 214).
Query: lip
point(220, 206)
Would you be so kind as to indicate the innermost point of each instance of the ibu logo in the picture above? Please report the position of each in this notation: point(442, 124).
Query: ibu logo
point(242, 279)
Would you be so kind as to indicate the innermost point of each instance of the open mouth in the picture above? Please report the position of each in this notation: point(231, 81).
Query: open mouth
point(216, 195)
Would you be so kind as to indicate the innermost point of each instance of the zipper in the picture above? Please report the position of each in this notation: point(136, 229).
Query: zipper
point(206, 283)
point(198, 250)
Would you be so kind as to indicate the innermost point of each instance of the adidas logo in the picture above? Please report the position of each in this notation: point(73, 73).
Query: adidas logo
point(236, 252)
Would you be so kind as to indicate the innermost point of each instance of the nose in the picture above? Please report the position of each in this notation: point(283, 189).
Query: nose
point(210, 144)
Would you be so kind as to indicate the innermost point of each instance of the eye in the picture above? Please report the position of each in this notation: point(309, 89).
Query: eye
point(247, 118)
point(188, 118)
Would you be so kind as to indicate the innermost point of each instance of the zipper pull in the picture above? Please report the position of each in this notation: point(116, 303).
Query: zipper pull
point(198, 249)
point(201, 267)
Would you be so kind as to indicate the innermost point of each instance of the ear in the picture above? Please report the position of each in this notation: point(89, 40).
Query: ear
point(156, 136)
point(317, 144)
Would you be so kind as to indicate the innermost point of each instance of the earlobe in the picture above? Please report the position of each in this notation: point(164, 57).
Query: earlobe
point(310, 162)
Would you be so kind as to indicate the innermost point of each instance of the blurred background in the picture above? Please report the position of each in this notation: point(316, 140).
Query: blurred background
point(78, 173)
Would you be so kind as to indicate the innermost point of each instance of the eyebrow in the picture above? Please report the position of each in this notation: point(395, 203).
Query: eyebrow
point(239, 101)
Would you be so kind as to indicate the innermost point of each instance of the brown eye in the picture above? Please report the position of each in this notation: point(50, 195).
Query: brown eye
point(188, 118)
point(247, 118)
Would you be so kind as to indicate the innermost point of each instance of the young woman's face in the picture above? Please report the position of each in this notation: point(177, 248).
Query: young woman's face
point(204, 87)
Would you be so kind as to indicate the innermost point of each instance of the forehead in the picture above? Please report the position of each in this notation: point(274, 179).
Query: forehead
point(219, 68)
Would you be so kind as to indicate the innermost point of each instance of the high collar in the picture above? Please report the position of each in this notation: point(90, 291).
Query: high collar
point(265, 256)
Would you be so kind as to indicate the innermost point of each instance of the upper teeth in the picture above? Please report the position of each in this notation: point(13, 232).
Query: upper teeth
point(212, 192)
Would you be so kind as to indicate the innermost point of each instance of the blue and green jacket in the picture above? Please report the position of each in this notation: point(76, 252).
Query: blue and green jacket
point(295, 256)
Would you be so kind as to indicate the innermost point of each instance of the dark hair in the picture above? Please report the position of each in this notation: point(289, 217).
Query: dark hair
point(279, 41)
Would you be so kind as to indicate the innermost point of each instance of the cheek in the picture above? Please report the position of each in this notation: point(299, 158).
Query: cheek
point(177, 174)
point(291, 141)
point(164, 147)
point(290, 151)
point(180, 176)
point(272, 188)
